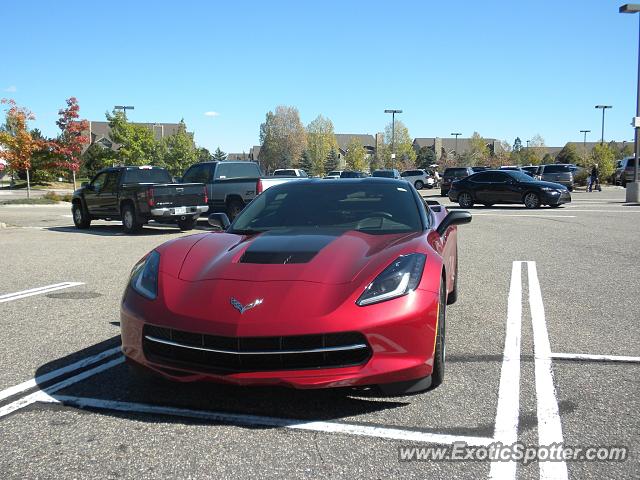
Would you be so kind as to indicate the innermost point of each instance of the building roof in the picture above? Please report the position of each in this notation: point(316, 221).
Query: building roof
point(449, 144)
point(344, 139)
point(100, 130)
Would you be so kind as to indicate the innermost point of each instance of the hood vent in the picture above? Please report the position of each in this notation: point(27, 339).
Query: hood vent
point(277, 258)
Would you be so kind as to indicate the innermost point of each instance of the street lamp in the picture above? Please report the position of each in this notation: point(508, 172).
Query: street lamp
point(393, 135)
point(603, 107)
point(633, 189)
point(584, 142)
point(456, 135)
point(124, 109)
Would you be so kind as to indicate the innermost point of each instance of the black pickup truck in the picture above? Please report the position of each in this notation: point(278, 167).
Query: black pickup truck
point(136, 195)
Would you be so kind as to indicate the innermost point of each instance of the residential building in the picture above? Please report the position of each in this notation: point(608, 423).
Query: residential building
point(344, 139)
point(99, 132)
point(447, 146)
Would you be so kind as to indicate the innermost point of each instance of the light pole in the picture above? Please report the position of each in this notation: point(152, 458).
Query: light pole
point(124, 109)
point(633, 189)
point(393, 135)
point(584, 142)
point(456, 135)
point(603, 107)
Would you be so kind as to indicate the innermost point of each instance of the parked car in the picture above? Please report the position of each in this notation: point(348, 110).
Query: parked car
point(478, 168)
point(532, 171)
point(333, 174)
point(231, 185)
point(507, 186)
point(451, 174)
point(390, 173)
point(624, 171)
point(558, 173)
point(290, 172)
point(136, 195)
point(353, 174)
point(368, 265)
point(511, 167)
point(419, 178)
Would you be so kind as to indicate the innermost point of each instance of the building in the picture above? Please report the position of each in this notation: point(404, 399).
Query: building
point(369, 142)
point(239, 157)
point(99, 132)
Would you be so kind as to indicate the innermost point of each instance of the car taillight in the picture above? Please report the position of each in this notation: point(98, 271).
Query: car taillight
point(206, 197)
point(259, 186)
point(150, 199)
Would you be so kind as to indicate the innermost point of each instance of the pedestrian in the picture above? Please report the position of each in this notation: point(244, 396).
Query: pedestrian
point(589, 183)
point(595, 181)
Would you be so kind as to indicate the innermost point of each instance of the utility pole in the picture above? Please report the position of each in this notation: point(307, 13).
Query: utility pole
point(393, 135)
point(603, 107)
point(456, 135)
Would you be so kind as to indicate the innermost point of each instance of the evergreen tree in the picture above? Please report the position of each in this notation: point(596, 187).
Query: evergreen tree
point(219, 155)
point(332, 161)
point(305, 162)
point(426, 156)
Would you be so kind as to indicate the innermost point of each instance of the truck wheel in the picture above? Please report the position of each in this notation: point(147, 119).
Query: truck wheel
point(234, 207)
point(187, 224)
point(129, 220)
point(80, 217)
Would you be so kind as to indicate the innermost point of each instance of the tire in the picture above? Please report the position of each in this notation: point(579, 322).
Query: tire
point(419, 185)
point(531, 200)
point(465, 200)
point(130, 222)
point(80, 216)
point(186, 224)
point(234, 207)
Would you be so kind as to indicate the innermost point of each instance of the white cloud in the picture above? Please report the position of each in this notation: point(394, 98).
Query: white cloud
point(211, 114)
point(11, 89)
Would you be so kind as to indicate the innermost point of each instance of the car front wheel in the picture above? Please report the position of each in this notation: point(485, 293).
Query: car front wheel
point(532, 200)
point(80, 217)
point(419, 185)
point(465, 200)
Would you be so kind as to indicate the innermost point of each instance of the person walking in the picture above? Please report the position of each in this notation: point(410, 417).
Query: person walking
point(595, 181)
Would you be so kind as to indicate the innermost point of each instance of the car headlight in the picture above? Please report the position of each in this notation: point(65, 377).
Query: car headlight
point(399, 278)
point(144, 276)
point(549, 189)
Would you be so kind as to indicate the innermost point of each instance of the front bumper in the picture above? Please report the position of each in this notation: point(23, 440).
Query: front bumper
point(167, 212)
point(399, 336)
point(556, 198)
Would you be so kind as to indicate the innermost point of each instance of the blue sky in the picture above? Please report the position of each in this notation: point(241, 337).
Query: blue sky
point(501, 68)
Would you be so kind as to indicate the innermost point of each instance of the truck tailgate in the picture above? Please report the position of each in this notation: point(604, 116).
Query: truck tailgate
point(179, 194)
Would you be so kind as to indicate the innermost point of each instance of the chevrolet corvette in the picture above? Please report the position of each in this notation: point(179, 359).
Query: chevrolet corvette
point(316, 284)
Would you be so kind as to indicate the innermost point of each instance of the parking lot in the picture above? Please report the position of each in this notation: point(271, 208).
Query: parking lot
point(543, 347)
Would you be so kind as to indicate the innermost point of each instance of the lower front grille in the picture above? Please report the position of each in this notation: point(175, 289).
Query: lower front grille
point(218, 354)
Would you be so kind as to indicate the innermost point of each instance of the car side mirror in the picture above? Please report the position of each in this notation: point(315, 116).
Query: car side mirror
point(219, 221)
point(455, 217)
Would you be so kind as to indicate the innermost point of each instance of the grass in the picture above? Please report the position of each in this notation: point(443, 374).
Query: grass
point(28, 201)
point(22, 185)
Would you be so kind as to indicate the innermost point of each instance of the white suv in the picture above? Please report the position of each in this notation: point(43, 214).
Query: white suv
point(419, 178)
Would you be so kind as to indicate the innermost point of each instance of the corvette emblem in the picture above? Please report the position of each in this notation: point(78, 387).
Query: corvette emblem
point(243, 308)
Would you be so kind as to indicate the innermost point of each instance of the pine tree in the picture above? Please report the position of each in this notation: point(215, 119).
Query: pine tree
point(305, 162)
point(219, 155)
point(332, 161)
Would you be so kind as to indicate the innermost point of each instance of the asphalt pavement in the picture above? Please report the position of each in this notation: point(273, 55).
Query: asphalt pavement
point(543, 345)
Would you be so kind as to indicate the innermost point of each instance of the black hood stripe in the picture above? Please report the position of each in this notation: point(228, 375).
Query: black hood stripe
point(286, 247)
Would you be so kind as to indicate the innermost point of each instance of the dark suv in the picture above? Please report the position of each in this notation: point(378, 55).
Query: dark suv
point(451, 174)
point(561, 173)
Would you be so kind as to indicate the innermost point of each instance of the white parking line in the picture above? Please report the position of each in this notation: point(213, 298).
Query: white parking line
point(42, 395)
point(541, 215)
point(8, 297)
point(85, 362)
point(595, 358)
point(253, 420)
point(549, 425)
point(508, 411)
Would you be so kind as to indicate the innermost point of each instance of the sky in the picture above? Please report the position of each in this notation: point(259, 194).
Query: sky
point(504, 69)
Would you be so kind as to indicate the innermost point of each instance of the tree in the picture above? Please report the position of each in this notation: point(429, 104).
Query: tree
point(426, 156)
point(547, 159)
point(219, 155)
point(305, 162)
point(405, 154)
point(478, 153)
point(137, 143)
point(320, 140)
point(537, 145)
point(568, 154)
point(180, 151)
point(17, 140)
point(42, 160)
point(69, 144)
point(529, 156)
point(203, 155)
point(603, 156)
point(356, 156)
point(95, 158)
point(332, 161)
point(282, 138)
point(517, 145)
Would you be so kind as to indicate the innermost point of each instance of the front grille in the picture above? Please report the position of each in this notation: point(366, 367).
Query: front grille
point(218, 354)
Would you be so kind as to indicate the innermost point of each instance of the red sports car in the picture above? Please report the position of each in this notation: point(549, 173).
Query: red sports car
point(317, 283)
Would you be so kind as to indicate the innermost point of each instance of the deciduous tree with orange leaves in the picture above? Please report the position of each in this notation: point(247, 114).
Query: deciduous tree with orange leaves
point(69, 144)
point(17, 142)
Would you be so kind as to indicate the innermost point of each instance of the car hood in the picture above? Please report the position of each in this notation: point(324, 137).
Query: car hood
point(327, 258)
point(557, 186)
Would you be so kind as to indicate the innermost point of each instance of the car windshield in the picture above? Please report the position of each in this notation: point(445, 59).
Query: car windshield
point(146, 175)
point(376, 208)
point(557, 168)
point(456, 172)
point(520, 176)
